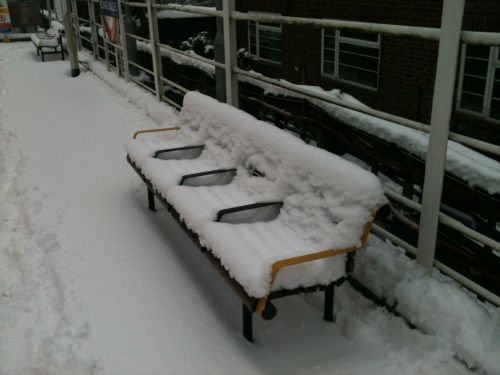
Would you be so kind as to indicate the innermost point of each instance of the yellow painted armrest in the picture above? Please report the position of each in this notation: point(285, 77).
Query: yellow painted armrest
point(153, 131)
point(277, 266)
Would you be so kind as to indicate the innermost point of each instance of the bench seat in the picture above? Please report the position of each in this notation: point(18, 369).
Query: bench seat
point(248, 252)
point(44, 40)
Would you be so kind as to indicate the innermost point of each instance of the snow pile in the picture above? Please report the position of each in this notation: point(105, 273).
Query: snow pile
point(326, 200)
point(438, 305)
point(158, 111)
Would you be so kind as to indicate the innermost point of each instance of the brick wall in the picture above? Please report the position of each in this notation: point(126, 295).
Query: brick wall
point(407, 66)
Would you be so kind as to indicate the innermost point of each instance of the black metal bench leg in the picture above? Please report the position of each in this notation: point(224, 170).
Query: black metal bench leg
point(151, 200)
point(329, 302)
point(43, 56)
point(247, 323)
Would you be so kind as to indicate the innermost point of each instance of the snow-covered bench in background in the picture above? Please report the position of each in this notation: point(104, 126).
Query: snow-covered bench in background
point(276, 216)
point(49, 42)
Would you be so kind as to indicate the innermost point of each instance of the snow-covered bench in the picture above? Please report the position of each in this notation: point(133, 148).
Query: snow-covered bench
point(49, 42)
point(275, 215)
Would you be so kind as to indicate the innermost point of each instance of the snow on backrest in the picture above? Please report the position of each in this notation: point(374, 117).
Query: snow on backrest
point(327, 200)
point(331, 198)
point(215, 124)
point(56, 28)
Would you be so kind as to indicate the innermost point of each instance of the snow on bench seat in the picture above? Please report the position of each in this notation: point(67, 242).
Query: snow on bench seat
point(45, 40)
point(328, 203)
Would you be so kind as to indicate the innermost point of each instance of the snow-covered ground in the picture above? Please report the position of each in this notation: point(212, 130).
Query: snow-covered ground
point(91, 282)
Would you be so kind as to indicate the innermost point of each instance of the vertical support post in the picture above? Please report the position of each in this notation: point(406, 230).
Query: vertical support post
point(151, 200)
point(123, 41)
point(329, 303)
point(93, 28)
point(74, 11)
point(247, 323)
point(155, 51)
point(105, 42)
point(220, 74)
point(442, 104)
point(230, 53)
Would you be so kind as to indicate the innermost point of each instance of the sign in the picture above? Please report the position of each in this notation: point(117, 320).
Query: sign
point(108, 8)
point(110, 25)
point(5, 24)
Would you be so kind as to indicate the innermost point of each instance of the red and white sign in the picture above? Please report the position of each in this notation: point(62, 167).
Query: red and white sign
point(110, 25)
point(5, 24)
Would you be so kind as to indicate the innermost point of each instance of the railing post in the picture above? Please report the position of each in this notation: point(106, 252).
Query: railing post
point(93, 28)
point(123, 41)
point(230, 53)
point(155, 51)
point(220, 74)
point(442, 105)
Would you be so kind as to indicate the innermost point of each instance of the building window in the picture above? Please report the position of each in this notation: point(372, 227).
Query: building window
point(479, 87)
point(351, 56)
point(264, 41)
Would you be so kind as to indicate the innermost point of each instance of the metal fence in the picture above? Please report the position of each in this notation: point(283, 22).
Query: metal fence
point(449, 35)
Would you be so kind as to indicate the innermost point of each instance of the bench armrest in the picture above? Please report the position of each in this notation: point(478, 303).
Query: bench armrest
point(153, 131)
point(278, 265)
point(207, 173)
point(246, 207)
point(164, 151)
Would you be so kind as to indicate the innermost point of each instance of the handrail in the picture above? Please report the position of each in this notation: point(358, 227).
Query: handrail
point(192, 56)
point(488, 147)
point(190, 9)
point(153, 131)
point(280, 264)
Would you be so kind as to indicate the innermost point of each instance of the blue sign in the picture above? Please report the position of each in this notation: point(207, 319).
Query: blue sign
point(109, 8)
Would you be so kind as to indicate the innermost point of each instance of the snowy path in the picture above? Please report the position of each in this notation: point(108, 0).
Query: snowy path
point(91, 282)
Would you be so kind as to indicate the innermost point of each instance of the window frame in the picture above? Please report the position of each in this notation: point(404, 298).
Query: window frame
point(259, 26)
point(493, 64)
point(353, 41)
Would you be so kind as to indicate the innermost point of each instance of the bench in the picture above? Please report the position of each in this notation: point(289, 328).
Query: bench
point(273, 214)
point(49, 42)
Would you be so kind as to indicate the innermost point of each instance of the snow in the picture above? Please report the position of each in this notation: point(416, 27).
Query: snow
point(176, 14)
point(327, 201)
point(91, 282)
point(180, 59)
point(471, 166)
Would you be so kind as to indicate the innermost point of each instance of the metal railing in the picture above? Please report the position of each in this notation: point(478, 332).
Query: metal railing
point(449, 35)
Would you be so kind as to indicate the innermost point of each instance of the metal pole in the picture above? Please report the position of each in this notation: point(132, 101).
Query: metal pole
point(442, 105)
point(70, 39)
point(93, 28)
point(220, 75)
point(230, 53)
point(123, 41)
point(155, 51)
point(74, 11)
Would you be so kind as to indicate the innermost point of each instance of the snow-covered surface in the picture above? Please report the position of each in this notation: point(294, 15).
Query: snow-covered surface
point(91, 282)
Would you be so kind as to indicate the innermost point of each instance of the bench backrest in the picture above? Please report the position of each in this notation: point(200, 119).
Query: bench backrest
point(326, 198)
